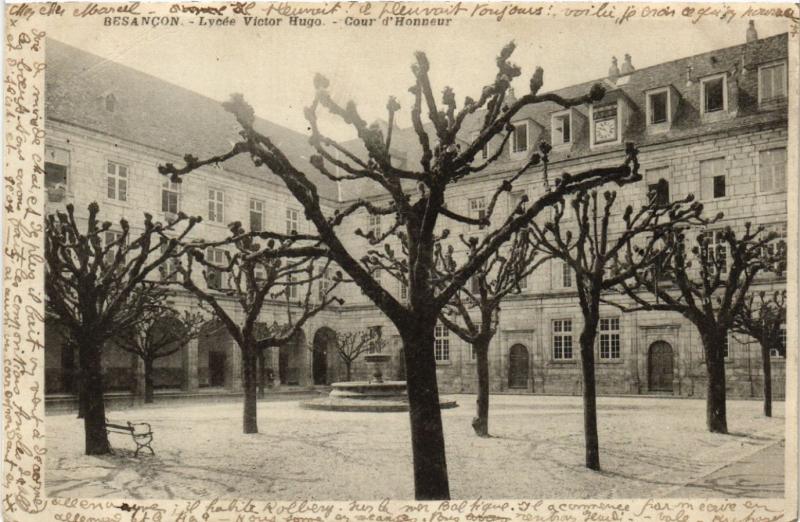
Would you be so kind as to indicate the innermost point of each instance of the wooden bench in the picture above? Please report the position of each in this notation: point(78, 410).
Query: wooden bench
point(140, 432)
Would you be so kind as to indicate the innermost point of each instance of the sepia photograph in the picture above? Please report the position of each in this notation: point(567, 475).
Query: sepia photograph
point(308, 253)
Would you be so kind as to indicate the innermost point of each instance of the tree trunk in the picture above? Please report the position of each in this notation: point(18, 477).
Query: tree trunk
point(249, 361)
point(148, 381)
point(348, 368)
point(481, 421)
point(590, 395)
point(427, 436)
point(81, 395)
point(94, 419)
point(765, 360)
point(716, 417)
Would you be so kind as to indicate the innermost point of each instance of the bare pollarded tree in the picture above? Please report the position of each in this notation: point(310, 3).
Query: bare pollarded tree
point(416, 207)
point(763, 317)
point(97, 284)
point(708, 284)
point(242, 269)
point(599, 248)
point(160, 332)
point(473, 313)
point(352, 344)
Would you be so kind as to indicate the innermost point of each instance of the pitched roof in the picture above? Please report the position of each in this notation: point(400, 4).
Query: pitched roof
point(739, 62)
point(155, 113)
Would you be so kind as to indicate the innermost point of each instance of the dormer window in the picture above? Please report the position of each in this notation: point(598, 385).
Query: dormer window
point(662, 107)
point(714, 94)
point(605, 124)
point(519, 139)
point(561, 128)
point(771, 82)
point(658, 107)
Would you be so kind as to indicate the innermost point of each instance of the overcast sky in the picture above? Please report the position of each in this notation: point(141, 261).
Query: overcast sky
point(274, 68)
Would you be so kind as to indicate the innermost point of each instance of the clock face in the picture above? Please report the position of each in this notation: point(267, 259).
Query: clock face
point(605, 130)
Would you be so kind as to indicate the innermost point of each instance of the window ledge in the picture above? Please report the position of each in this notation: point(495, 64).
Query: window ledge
point(562, 362)
point(715, 116)
point(609, 361)
point(444, 363)
point(606, 145)
point(659, 128)
point(117, 203)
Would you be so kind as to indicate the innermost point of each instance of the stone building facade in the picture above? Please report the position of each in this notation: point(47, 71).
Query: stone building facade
point(713, 125)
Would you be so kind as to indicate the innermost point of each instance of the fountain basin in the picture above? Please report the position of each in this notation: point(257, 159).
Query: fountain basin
point(385, 396)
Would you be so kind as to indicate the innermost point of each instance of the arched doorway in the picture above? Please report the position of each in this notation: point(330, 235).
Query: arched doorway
point(660, 367)
point(518, 367)
point(324, 348)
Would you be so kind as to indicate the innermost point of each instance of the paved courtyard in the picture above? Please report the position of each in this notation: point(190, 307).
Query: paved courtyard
point(650, 447)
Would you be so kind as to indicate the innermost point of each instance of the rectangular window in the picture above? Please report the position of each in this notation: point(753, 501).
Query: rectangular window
point(324, 284)
point(713, 93)
point(771, 82)
point(374, 225)
point(712, 178)
point(109, 238)
point(256, 215)
point(56, 168)
point(657, 185)
point(772, 170)
point(292, 221)
point(566, 275)
point(562, 339)
point(715, 250)
point(167, 269)
point(441, 343)
point(562, 132)
point(725, 352)
point(477, 210)
point(519, 142)
point(375, 334)
point(291, 289)
point(474, 285)
point(170, 197)
point(516, 200)
point(719, 186)
point(609, 338)
point(472, 353)
point(778, 244)
point(216, 205)
point(658, 108)
point(215, 276)
point(780, 349)
point(403, 291)
point(117, 181)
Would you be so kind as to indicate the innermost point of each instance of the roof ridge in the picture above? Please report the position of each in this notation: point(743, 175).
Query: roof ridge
point(112, 63)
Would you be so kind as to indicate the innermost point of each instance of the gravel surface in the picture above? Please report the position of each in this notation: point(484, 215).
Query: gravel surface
point(649, 447)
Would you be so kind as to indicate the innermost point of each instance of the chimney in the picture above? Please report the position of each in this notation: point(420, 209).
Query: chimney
point(627, 66)
point(511, 98)
point(752, 34)
point(613, 71)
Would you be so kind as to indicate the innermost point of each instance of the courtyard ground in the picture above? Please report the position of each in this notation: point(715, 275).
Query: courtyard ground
point(649, 447)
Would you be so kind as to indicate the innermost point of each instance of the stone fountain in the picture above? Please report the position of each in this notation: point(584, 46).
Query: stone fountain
point(375, 395)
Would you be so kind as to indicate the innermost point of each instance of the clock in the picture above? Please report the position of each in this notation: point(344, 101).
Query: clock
point(605, 130)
